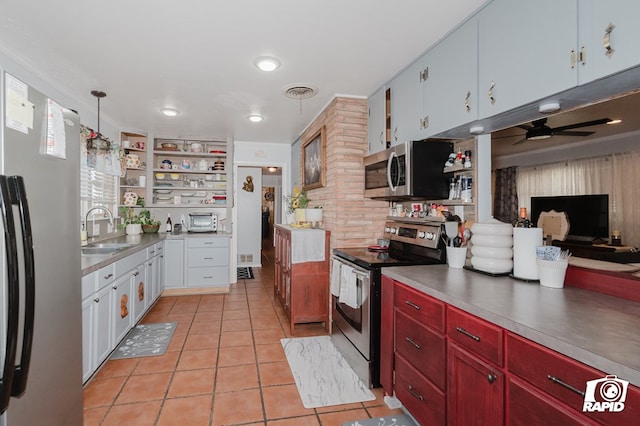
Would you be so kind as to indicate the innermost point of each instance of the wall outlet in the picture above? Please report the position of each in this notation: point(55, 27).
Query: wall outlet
point(96, 230)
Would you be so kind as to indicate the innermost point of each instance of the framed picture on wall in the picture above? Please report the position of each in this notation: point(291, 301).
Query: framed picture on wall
point(313, 161)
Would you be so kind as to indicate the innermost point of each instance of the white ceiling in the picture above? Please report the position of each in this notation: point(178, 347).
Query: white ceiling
point(197, 56)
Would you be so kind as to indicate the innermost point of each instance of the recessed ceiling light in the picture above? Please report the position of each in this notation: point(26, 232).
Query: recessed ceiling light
point(272, 169)
point(255, 118)
point(616, 121)
point(267, 63)
point(170, 112)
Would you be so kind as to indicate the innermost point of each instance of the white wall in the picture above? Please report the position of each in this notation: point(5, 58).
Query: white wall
point(249, 205)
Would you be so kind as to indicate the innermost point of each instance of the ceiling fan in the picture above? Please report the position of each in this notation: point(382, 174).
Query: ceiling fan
point(539, 130)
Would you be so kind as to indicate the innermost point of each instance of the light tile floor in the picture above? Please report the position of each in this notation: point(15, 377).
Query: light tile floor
point(224, 366)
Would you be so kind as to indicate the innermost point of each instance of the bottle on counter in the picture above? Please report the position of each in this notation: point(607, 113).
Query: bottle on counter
point(169, 226)
point(522, 221)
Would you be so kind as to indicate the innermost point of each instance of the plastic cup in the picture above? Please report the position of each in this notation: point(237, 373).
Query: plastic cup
point(552, 272)
point(456, 257)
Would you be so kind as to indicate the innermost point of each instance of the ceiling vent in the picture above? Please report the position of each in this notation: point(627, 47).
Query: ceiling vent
point(300, 91)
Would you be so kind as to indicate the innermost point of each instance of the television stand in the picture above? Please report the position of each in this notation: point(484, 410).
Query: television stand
point(598, 251)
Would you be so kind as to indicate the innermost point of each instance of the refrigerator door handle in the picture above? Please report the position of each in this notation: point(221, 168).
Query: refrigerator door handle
point(19, 198)
point(13, 298)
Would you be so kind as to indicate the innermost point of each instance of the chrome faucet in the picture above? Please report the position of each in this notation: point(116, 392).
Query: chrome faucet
point(109, 215)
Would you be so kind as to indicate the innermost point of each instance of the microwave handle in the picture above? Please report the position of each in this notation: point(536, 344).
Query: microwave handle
point(392, 185)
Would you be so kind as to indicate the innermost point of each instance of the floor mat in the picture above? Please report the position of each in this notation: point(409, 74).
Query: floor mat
point(245, 273)
point(145, 340)
point(322, 375)
point(397, 420)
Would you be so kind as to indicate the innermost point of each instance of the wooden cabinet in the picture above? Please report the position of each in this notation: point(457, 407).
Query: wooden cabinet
point(194, 172)
point(207, 261)
point(174, 263)
point(475, 394)
point(376, 122)
point(603, 24)
point(476, 335)
point(519, 59)
point(302, 288)
point(135, 150)
point(450, 84)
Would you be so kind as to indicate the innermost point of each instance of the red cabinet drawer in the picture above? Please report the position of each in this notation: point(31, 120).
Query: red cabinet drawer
point(526, 406)
point(475, 334)
point(423, 348)
point(424, 309)
point(554, 373)
point(420, 397)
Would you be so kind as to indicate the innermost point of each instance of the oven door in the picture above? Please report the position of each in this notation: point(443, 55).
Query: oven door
point(355, 323)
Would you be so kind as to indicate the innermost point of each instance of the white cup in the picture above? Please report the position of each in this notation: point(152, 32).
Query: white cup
point(456, 256)
point(552, 272)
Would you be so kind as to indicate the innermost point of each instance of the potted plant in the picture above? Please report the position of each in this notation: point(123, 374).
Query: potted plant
point(131, 222)
point(149, 224)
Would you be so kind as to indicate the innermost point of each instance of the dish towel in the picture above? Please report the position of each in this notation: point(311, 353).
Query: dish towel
point(335, 277)
point(348, 287)
point(307, 245)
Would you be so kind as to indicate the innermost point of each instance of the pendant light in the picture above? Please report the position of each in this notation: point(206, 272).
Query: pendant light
point(98, 94)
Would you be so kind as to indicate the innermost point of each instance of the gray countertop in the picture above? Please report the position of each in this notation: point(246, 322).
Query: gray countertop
point(92, 263)
point(599, 330)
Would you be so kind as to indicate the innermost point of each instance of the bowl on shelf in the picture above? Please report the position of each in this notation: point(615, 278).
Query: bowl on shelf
point(174, 176)
point(169, 146)
point(160, 176)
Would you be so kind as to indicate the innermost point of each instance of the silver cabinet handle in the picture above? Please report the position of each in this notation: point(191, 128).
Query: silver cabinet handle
point(395, 134)
point(573, 58)
point(106, 277)
point(415, 394)
point(607, 40)
point(97, 300)
point(410, 340)
point(565, 385)
point(466, 333)
point(492, 99)
point(413, 305)
point(114, 287)
point(491, 378)
point(467, 105)
point(136, 273)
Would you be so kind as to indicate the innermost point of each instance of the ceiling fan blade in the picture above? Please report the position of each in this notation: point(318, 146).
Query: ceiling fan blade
point(571, 133)
point(503, 137)
point(583, 124)
point(518, 142)
point(525, 126)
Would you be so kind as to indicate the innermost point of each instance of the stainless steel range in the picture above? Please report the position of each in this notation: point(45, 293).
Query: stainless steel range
point(356, 306)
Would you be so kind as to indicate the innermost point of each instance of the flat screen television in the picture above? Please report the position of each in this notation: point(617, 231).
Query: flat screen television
point(588, 214)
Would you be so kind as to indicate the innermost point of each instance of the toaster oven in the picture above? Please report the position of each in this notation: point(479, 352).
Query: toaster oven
point(202, 222)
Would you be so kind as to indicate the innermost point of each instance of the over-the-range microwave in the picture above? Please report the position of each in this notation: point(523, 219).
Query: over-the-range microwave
point(410, 170)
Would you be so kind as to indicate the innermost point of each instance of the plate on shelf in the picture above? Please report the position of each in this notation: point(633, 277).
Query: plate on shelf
point(187, 194)
point(217, 151)
point(164, 202)
point(164, 184)
point(163, 191)
point(163, 198)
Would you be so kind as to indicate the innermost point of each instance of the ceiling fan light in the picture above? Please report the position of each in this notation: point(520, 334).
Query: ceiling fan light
point(616, 121)
point(549, 107)
point(538, 137)
point(255, 118)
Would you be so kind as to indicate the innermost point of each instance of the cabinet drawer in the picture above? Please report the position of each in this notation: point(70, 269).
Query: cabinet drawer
point(527, 406)
point(208, 276)
point(546, 368)
point(422, 399)
point(476, 335)
point(130, 262)
point(89, 284)
point(422, 308)
point(423, 348)
point(207, 242)
point(209, 256)
point(105, 275)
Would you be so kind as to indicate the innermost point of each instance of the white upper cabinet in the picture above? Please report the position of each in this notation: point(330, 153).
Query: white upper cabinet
point(525, 52)
point(376, 123)
point(406, 105)
point(608, 36)
point(450, 86)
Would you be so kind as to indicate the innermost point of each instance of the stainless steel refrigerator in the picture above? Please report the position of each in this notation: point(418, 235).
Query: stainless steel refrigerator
point(40, 301)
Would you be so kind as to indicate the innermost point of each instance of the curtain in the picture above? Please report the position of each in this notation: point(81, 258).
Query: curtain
point(617, 175)
point(505, 204)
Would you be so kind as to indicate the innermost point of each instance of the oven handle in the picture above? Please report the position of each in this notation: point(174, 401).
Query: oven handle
point(357, 269)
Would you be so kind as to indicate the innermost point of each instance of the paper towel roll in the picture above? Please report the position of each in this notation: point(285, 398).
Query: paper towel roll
point(525, 241)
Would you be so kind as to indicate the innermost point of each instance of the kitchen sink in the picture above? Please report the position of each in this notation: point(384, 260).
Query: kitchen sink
point(97, 249)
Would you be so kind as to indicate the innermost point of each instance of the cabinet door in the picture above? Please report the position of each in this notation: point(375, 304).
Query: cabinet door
point(387, 335)
point(87, 338)
point(151, 269)
point(525, 52)
point(139, 292)
point(406, 105)
point(102, 326)
point(122, 307)
point(450, 90)
point(475, 394)
point(595, 16)
point(376, 123)
point(174, 263)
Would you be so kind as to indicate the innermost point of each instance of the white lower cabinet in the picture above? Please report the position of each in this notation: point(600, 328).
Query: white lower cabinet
point(207, 262)
point(102, 329)
point(174, 263)
point(139, 292)
point(87, 334)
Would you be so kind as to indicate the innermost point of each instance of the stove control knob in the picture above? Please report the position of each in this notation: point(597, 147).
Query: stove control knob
point(430, 235)
point(421, 234)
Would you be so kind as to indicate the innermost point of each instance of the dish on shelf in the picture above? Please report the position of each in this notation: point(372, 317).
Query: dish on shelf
point(217, 151)
point(164, 202)
point(160, 176)
point(164, 184)
point(163, 198)
point(187, 194)
point(201, 194)
point(174, 176)
point(163, 191)
point(169, 146)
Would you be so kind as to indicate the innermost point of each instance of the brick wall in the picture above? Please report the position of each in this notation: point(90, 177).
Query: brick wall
point(352, 219)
